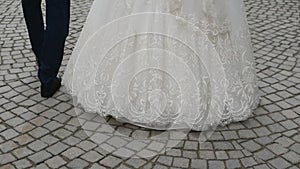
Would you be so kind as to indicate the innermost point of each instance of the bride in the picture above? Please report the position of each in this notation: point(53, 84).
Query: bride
point(165, 64)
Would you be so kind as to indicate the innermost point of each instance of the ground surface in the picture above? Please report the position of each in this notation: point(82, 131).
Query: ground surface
point(45, 133)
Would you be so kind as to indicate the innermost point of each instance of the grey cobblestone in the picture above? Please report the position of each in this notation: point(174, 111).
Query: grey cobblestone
point(110, 161)
point(37, 145)
point(216, 164)
point(280, 163)
point(9, 134)
point(265, 154)
point(22, 152)
point(92, 156)
point(6, 158)
point(40, 156)
point(8, 146)
point(78, 163)
point(55, 162)
point(57, 148)
point(181, 162)
point(72, 152)
point(43, 133)
point(24, 163)
point(138, 163)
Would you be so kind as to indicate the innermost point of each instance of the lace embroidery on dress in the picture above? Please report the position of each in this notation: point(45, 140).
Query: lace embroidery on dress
point(155, 96)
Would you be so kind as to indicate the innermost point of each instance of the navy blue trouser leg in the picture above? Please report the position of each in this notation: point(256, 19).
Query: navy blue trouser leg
point(51, 50)
point(35, 24)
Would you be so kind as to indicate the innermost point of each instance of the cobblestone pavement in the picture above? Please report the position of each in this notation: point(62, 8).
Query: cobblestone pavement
point(47, 134)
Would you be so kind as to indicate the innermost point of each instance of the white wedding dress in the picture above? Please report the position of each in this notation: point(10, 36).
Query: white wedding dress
point(165, 64)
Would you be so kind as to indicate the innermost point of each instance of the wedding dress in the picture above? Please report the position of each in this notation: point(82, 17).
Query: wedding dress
point(165, 64)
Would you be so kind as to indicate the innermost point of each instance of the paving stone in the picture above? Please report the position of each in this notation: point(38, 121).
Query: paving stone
point(221, 155)
point(24, 163)
point(86, 145)
point(117, 142)
point(248, 162)
point(50, 102)
point(189, 154)
point(290, 133)
point(9, 134)
point(49, 139)
point(62, 133)
point(235, 154)
point(262, 131)
point(198, 163)
point(136, 145)
point(39, 121)
point(40, 156)
point(265, 120)
point(181, 162)
point(78, 163)
point(191, 145)
point(262, 166)
point(7, 166)
point(62, 118)
point(38, 108)
point(146, 153)
point(38, 132)
point(277, 149)
point(292, 157)
point(290, 114)
point(97, 166)
point(55, 162)
point(8, 146)
point(50, 113)
point(71, 141)
point(230, 135)
point(136, 163)
point(123, 152)
point(110, 161)
point(2, 127)
point(72, 152)
point(279, 163)
point(207, 155)
point(223, 146)
point(28, 115)
point(62, 107)
point(174, 152)
point(92, 156)
point(233, 164)
point(30, 123)
point(216, 164)
point(157, 166)
point(53, 125)
point(57, 148)
point(22, 152)
point(205, 146)
point(6, 115)
point(246, 134)
point(156, 146)
point(276, 128)
point(37, 145)
point(265, 154)
point(6, 158)
point(289, 124)
point(165, 160)
point(217, 136)
point(251, 146)
point(105, 149)
point(285, 141)
point(19, 110)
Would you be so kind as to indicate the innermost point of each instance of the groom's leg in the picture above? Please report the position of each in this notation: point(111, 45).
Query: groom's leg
point(35, 25)
point(57, 21)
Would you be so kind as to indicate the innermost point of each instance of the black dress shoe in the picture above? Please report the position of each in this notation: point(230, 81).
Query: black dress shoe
point(49, 89)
